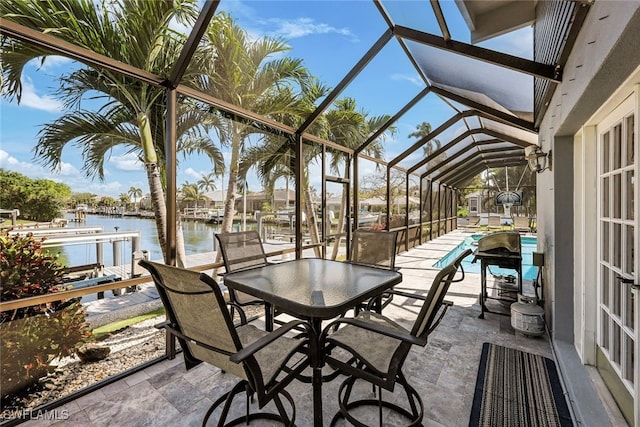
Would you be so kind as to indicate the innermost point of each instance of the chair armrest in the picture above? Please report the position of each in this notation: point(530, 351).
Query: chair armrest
point(407, 294)
point(458, 262)
point(261, 343)
point(393, 333)
point(445, 306)
point(162, 325)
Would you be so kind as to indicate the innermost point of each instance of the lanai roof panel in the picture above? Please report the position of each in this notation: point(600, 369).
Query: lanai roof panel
point(488, 84)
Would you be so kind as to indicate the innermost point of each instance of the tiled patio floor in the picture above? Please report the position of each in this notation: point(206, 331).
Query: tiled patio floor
point(444, 372)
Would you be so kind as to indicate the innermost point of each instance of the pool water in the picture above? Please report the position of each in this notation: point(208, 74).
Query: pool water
point(529, 245)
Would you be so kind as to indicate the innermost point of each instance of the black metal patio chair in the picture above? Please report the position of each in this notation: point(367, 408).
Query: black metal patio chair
point(374, 249)
point(241, 251)
point(265, 362)
point(373, 348)
point(457, 262)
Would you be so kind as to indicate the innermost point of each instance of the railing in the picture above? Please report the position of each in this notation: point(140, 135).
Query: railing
point(74, 293)
point(47, 330)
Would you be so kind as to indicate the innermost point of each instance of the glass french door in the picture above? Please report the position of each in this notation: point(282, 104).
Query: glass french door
point(617, 341)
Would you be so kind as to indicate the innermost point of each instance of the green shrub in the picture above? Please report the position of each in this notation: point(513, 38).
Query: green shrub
point(32, 337)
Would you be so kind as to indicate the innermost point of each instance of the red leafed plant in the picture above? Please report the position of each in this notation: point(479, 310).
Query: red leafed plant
point(32, 337)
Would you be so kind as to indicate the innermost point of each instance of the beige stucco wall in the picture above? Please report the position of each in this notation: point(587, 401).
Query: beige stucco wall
point(605, 54)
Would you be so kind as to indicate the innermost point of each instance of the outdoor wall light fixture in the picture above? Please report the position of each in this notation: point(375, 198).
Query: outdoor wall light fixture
point(539, 161)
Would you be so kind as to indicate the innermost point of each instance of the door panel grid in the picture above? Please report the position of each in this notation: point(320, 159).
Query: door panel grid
point(616, 185)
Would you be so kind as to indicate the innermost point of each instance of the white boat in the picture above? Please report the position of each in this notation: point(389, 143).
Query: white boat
point(215, 216)
point(368, 219)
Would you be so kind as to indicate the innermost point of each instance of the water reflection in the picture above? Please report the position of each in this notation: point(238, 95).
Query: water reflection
point(198, 237)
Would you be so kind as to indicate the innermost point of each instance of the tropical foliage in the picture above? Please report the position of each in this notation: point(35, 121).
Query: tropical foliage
point(135, 194)
point(252, 74)
point(132, 114)
point(191, 194)
point(84, 198)
point(32, 337)
point(351, 127)
point(207, 182)
point(36, 199)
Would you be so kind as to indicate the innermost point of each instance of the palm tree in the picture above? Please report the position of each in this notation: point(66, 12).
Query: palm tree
point(136, 194)
point(433, 145)
point(274, 157)
point(351, 128)
point(244, 74)
point(124, 199)
point(191, 193)
point(133, 113)
point(207, 182)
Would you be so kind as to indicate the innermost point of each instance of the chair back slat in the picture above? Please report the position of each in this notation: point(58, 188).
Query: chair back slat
point(242, 250)
point(433, 301)
point(374, 248)
point(198, 311)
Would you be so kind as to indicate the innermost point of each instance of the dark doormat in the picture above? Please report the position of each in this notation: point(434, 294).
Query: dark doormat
point(515, 388)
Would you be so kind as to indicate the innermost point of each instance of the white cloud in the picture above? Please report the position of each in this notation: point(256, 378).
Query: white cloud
point(113, 188)
point(33, 170)
point(301, 27)
point(193, 173)
point(53, 62)
point(30, 98)
point(415, 79)
point(69, 175)
point(11, 163)
point(126, 162)
point(67, 169)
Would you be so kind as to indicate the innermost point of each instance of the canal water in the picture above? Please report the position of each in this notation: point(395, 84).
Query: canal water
point(198, 237)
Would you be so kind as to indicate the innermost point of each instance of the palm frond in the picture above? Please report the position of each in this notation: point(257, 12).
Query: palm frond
point(95, 134)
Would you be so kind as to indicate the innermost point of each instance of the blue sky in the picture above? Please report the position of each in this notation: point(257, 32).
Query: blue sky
point(330, 36)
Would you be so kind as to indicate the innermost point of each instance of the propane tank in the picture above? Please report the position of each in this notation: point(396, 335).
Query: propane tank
point(527, 316)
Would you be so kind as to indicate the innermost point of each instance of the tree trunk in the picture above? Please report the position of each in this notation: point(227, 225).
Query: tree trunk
point(341, 217)
point(312, 221)
point(181, 252)
point(158, 204)
point(157, 193)
point(230, 198)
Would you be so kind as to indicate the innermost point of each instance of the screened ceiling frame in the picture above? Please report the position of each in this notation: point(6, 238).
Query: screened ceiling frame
point(475, 131)
point(550, 72)
point(475, 145)
point(522, 65)
point(526, 66)
point(92, 58)
point(461, 177)
point(479, 157)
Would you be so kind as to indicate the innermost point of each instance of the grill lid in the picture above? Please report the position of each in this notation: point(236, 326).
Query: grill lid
point(501, 242)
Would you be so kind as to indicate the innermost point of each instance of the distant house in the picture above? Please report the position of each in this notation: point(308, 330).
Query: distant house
point(474, 203)
point(216, 198)
point(281, 199)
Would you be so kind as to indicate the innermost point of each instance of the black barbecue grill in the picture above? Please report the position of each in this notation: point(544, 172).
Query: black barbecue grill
point(502, 249)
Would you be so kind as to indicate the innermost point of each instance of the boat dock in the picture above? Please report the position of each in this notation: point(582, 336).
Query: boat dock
point(146, 298)
point(119, 303)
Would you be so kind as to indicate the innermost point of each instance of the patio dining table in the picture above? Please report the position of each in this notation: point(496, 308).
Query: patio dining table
point(314, 289)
